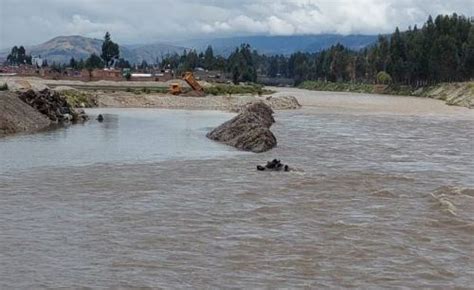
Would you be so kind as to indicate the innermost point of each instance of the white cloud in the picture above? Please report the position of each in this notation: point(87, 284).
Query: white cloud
point(139, 21)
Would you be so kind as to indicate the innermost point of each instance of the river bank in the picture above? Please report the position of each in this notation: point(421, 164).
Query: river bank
point(455, 94)
point(112, 94)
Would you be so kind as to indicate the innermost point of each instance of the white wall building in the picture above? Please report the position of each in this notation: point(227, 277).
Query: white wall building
point(37, 60)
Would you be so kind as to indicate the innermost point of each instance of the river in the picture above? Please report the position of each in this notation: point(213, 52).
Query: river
point(382, 196)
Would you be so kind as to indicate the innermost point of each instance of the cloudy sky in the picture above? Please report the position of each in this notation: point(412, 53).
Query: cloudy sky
point(145, 21)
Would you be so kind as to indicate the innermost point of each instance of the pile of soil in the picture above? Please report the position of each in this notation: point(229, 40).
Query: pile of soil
point(16, 116)
point(249, 130)
point(53, 105)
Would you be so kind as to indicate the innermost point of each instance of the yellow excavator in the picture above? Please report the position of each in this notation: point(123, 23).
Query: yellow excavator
point(188, 77)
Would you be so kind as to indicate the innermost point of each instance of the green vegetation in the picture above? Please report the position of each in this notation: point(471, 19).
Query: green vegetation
point(79, 99)
point(221, 90)
point(441, 51)
point(18, 56)
point(110, 50)
point(337, 87)
point(241, 63)
point(94, 61)
point(384, 78)
point(4, 87)
point(128, 75)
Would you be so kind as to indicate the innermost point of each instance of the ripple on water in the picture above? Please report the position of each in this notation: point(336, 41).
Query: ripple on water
point(365, 211)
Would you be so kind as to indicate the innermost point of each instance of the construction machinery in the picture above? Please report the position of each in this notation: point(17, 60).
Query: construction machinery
point(175, 89)
point(188, 77)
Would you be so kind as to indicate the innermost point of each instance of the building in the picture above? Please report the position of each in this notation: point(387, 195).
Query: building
point(37, 61)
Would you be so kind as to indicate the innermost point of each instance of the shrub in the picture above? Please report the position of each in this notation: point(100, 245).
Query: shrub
point(384, 78)
point(4, 87)
point(79, 99)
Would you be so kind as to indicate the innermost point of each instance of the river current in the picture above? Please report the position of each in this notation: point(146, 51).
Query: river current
point(145, 200)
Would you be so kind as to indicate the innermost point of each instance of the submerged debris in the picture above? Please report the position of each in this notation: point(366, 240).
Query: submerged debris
point(274, 165)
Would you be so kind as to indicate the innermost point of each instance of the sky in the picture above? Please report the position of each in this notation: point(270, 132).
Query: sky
point(28, 22)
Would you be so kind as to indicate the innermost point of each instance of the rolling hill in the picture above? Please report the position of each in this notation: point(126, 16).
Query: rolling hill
point(60, 49)
point(282, 44)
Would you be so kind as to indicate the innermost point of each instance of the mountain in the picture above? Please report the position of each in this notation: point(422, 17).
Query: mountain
point(281, 44)
point(151, 52)
point(60, 49)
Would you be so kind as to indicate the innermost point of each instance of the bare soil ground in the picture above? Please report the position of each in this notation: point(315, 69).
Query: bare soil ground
point(115, 94)
point(16, 116)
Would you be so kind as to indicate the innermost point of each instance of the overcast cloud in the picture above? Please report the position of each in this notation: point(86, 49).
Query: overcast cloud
point(145, 21)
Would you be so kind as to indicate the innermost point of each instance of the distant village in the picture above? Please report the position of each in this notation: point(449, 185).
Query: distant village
point(40, 68)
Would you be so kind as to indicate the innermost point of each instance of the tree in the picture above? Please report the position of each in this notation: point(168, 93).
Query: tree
point(209, 59)
point(144, 65)
point(94, 61)
point(128, 75)
point(122, 63)
point(80, 64)
point(241, 64)
point(18, 56)
point(384, 78)
point(73, 63)
point(273, 67)
point(468, 55)
point(110, 50)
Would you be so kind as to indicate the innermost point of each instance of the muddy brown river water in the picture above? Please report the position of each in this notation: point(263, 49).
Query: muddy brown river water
point(383, 197)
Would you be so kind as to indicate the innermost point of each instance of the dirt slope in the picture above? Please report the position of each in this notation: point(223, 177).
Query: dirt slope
point(16, 116)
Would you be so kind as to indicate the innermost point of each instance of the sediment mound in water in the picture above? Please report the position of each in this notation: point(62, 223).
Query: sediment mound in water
point(16, 116)
point(249, 130)
point(53, 105)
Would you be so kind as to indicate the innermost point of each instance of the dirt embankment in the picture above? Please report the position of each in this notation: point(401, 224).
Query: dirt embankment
point(16, 116)
point(223, 103)
point(455, 94)
point(31, 111)
point(145, 95)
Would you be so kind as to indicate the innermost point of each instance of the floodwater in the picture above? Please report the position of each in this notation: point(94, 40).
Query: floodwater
point(379, 198)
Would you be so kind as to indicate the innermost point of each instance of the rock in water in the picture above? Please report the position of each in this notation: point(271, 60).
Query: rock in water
point(249, 130)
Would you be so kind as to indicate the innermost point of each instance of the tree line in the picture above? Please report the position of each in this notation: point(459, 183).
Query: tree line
point(241, 64)
point(18, 56)
point(442, 50)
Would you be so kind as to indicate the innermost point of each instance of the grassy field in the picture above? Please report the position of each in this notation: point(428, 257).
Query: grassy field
point(222, 90)
point(337, 87)
point(216, 90)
